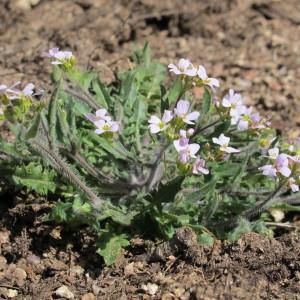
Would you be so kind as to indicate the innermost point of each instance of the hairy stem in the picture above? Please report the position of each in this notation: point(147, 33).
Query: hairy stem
point(84, 97)
point(62, 167)
point(153, 176)
point(198, 130)
point(253, 212)
point(81, 161)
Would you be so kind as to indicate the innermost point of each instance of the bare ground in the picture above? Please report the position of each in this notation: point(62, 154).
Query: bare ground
point(252, 46)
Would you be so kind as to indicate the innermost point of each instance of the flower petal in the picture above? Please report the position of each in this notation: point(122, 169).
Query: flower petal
point(231, 150)
point(154, 120)
point(202, 72)
point(182, 108)
point(193, 116)
point(168, 116)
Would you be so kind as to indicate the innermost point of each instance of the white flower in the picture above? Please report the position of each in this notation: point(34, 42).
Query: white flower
point(100, 114)
point(273, 153)
point(4, 89)
point(292, 184)
point(186, 133)
point(59, 57)
point(223, 141)
point(157, 124)
point(212, 82)
point(199, 167)
point(182, 109)
point(185, 150)
point(232, 99)
point(26, 92)
point(183, 67)
point(252, 121)
point(280, 165)
point(106, 126)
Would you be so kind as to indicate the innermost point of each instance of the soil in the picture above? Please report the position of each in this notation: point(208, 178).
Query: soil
point(252, 46)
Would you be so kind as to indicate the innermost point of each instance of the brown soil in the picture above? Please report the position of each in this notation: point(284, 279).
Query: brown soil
point(250, 45)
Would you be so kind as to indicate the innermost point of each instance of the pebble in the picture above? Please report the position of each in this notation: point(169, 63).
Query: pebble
point(20, 276)
point(24, 4)
point(64, 291)
point(96, 289)
point(33, 259)
point(11, 293)
point(4, 237)
point(3, 262)
point(76, 271)
point(88, 296)
point(150, 288)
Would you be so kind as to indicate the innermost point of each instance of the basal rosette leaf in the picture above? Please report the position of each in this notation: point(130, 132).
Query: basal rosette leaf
point(110, 246)
point(36, 178)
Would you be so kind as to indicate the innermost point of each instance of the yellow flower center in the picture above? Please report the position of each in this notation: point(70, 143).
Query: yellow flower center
point(106, 127)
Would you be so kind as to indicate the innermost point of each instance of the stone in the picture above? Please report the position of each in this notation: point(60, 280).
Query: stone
point(88, 296)
point(64, 291)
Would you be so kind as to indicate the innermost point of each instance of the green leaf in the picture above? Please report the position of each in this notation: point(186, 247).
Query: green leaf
point(175, 91)
point(244, 226)
point(140, 114)
point(110, 247)
point(117, 215)
point(115, 149)
point(237, 178)
point(52, 115)
point(206, 104)
point(56, 73)
point(102, 95)
point(32, 132)
point(164, 102)
point(167, 192)
point(60, 212)
point(79, 207)
point(129, 91)
point(10, 150)
point(227, 168)
point(222, 128)
point(35, 178)
point(146, 54)
point(206, 189)
point(167, 222)
point(287, 207)
point(63, 125)
point(206, 239)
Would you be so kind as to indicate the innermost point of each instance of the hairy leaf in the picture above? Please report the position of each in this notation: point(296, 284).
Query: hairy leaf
point(110, 246)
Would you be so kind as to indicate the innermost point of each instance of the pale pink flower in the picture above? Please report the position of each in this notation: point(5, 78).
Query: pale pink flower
point(157, 124)
point(273, 153)
point(199, 167)
point(293, 185)
point(26, 92)
point(182, 109)
point(106, 126)
point(232, 99)
point(184, 67)
point(4, 89)
point(186, 133)
point(59, 57)
point(234, 102)
point(185, 150)
point(251, 121)
point(100, 114)
point(280, 165)
point(223, 141)
point(211, 82)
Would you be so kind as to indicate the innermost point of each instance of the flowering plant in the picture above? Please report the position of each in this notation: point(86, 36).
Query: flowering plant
point(138, 157)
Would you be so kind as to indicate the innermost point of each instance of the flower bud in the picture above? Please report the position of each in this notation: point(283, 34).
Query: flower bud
point(190, 132)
